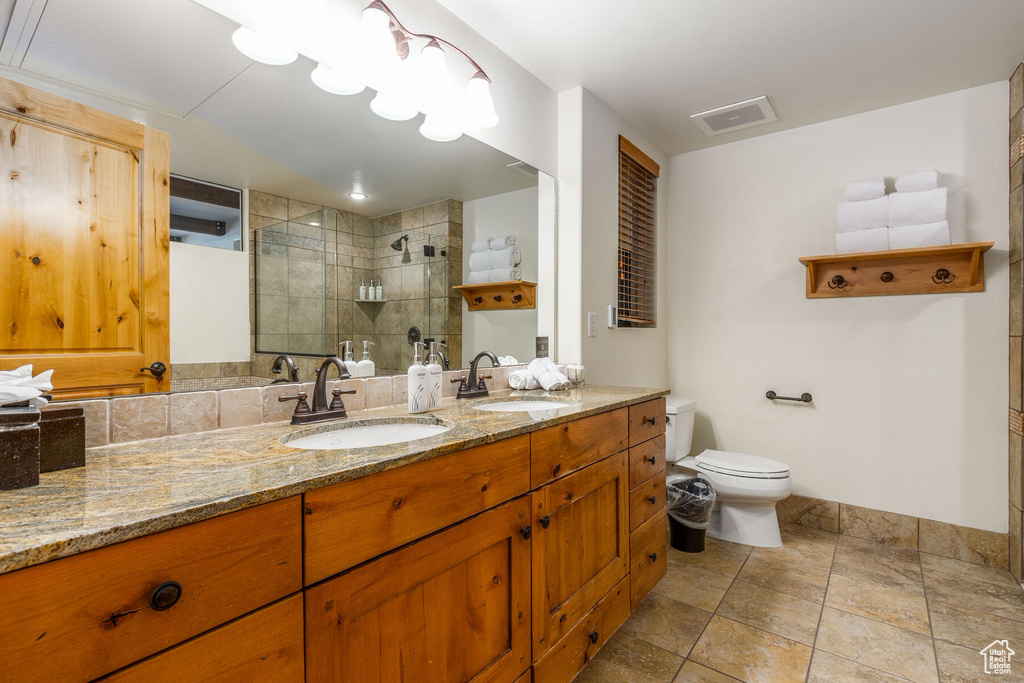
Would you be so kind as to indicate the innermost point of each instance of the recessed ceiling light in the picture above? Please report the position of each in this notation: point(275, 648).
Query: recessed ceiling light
point(357, 195)
point(315, 225)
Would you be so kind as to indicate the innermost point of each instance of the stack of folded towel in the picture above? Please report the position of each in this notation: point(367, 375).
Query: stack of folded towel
point(494, 260)
point(542, 373)
point(917, 212)
point(864, 218)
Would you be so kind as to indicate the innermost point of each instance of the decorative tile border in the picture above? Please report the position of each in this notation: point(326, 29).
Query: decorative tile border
point(1016, 422)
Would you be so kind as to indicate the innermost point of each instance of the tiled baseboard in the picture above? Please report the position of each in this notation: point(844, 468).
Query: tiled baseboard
point(938, 538)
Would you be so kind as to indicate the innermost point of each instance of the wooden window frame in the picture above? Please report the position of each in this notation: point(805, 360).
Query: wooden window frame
point(637, 254)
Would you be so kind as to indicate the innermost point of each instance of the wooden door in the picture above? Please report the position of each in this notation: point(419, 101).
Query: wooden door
point(581, 546)
point(84, 245)
point(452, 607)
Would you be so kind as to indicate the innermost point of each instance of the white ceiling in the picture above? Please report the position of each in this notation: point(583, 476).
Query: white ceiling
point(658, 61)
point(171, 64)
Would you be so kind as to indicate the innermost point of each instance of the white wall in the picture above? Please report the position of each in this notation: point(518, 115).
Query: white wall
point(588, 167)
point(910, 392)
point(209, 304)
point(502, 332)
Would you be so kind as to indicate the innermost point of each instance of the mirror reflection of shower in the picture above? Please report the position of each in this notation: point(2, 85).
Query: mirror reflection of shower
point(397, 244)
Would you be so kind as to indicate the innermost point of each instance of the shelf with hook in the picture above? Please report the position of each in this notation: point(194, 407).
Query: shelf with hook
point(927, 270)
point(494, 296)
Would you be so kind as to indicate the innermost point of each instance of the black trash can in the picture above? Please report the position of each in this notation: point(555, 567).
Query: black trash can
point(690, 501)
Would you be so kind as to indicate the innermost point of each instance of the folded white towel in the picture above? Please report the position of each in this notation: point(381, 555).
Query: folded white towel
point(503, 242)
point(863, 190)
point(917, 208)
point(876, 239)
point(508, 360)
point(478, 277)
point(549, 377)
point(506, 258)
point(480, 260)
point(917, 181)
point(873, 213)
point(927, 235)
point(504, 275)
point(482, 245)
point(523, 380)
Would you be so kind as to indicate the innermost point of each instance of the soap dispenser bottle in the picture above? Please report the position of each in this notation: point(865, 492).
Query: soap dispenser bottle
point(346, 353)
point(366, 367)
point(419, 383)
point(362, 290)
point(433, 379)
point(379, 291)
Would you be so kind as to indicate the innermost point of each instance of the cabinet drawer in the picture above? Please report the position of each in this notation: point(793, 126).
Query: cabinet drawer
point(648, 557)
point(84, 616)
point(646, 500)
point(646, 421)
point(357, 520)
point(563, 449)
point(572, 652)
point(646, 460)
point(263, 646)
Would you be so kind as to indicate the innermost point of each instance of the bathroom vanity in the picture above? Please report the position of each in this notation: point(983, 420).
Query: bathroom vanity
point(509, 548)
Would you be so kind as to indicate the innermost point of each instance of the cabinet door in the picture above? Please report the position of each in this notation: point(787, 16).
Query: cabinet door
point(581, 546)
point(452, 607)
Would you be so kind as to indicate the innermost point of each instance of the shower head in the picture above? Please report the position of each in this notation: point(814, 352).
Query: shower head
point(397, 244)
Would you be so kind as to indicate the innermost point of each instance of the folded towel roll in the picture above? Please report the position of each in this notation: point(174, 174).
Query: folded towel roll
point(865, 215)
point(549, 377)
point(876, 239)
point(917, 208)
point(504, 275)
point(523, 380)
point(506, 258)
point(478, 277)
point(927, 235)
point(503, 242)
point(917, 181)
point(482, 245)
point(863, 190)
point(480, 260)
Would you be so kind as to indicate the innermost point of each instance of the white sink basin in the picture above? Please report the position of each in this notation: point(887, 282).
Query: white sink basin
point(523, 406)
point(367, 436)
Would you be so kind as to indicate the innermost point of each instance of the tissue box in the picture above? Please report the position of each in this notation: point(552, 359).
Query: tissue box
point(61, 437)
point(19, 448)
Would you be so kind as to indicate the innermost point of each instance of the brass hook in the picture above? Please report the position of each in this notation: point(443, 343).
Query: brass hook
point(887, 277)
point(942, 276)
point(837, 282)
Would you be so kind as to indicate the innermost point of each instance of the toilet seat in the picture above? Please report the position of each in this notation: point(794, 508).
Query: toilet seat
point(741, 465)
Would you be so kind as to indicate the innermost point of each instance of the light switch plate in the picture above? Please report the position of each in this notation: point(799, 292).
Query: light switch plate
point(591, 324)
point(542, 347)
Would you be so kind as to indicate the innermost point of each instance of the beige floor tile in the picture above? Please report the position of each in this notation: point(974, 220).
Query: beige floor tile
point(970, 628)
point(877, 549)
point(981, 596)
point(722, 557)
point(769, 610)
point(885, 571)
point(692, 672)
point(964, 665)
point(750, 654)
point(693, 585)
point(625, 658)
point(969, 569)
point(794, 551)
point(807, 533)
point(899, 608)
point(667, 623)
point(826, 668)
point(796, 580)
point(880, 646)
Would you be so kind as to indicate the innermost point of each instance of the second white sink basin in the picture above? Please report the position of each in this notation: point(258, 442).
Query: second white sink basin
point(367, 436)
point(523, 406)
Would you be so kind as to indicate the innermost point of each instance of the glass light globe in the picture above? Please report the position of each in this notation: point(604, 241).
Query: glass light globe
point(333, 81)
point(479, 105)
point(394, 106)
point(377, 54)
point(261, 48)
point(432, 82)
point(439, 128)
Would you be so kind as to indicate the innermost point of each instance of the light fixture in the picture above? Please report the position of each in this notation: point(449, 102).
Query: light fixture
point(393, 105)
point(357, 195)
point(261, 48)
point(439, 129)
point(335, 82)
point(479, 105)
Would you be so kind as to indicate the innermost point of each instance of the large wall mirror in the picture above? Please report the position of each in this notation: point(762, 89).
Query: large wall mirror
point(288, 201)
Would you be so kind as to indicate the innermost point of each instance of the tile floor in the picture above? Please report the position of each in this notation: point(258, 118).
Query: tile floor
point(822, 609)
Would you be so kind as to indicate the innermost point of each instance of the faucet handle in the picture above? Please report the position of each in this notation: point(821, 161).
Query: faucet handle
point(336, 402)
point(480, 381)
point(301, 408)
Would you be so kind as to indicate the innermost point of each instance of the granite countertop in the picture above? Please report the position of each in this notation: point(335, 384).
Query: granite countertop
point(130, 490)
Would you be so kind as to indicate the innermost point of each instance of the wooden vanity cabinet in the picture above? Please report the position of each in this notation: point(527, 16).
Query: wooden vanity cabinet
point(648, 518)
point(452, 607)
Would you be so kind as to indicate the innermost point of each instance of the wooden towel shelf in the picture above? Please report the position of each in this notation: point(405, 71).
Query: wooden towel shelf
point(495, 296)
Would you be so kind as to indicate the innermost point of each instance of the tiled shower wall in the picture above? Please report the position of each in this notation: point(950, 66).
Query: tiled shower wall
point(1016, 459)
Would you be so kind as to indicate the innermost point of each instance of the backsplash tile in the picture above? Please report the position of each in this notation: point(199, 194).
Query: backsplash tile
point(240, 407)
point(97, 422)
point(192, 411)
point(138, 417)
point(876, 525)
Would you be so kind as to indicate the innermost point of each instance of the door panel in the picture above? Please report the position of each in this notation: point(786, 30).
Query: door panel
point(84, 215)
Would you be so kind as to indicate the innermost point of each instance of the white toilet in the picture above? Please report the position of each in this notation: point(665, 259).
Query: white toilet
point(748, 486)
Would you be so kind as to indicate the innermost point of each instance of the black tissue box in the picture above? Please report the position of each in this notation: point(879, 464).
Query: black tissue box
point(19, 447)
point(61, 437)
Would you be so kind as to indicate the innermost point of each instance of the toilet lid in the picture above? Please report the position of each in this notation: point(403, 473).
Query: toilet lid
point(727, 462)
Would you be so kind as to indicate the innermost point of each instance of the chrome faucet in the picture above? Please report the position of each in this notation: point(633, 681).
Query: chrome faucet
point(475, 387)
point(321, 411)
point(293, 372)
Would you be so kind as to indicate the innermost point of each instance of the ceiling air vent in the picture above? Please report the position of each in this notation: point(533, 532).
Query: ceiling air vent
point(735, 116)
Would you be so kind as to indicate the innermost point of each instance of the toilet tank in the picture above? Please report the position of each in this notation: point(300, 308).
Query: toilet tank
point(679, 430)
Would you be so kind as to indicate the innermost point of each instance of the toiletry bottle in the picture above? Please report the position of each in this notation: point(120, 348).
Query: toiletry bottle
point(371, 293)
point(433, 378)
point(346, 353)
point(366, 367)
point(380, 291)
point(419, 383)
point(362, 290)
